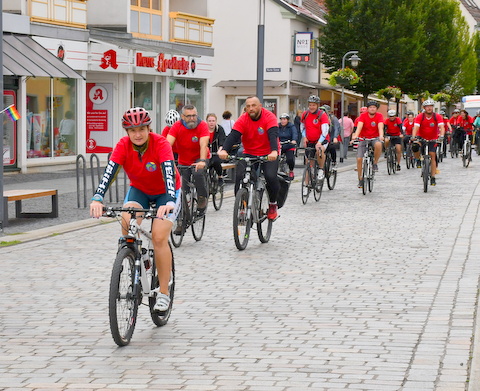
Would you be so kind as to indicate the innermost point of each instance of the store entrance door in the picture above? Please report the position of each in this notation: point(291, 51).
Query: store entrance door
point(9, 133)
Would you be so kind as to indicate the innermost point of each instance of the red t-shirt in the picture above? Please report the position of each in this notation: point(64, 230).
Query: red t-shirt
point(453, 121)
point(165, 132)
point(370, 125)
point(428, 128)
point(466, 124)
point(408, 126)
point(255, 133)
point(187, 141)
point(313, 124)
point(355, 123)
point(145, 173)
point(393, 128)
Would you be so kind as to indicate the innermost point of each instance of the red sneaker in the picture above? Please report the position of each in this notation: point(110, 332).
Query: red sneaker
point(291, 175)
point(272, 212)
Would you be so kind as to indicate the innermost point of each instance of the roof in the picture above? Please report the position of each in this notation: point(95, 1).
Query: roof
point(310, 9)
point(473, 8)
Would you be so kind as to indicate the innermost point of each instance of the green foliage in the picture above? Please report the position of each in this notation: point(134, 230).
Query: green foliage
point(416, 45)
point(347, 74)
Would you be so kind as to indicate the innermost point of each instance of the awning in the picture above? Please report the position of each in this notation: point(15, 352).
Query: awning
point(307, 84)
point(22, 56)
point(250, 83)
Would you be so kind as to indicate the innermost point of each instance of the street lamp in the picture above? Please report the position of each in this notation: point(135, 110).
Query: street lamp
point(354, 60)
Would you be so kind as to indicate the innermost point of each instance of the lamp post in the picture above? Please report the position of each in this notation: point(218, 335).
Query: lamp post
point(354, 59)
point(260, 49)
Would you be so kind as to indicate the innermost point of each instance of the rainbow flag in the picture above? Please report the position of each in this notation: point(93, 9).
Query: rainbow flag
point(12, 112)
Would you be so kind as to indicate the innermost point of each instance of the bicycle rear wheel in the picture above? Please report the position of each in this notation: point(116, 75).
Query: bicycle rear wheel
point(306, 181)
point(241, 223)
point(264, 225)
point(331, 174)
point(216, 190)
point(123, 301)
point(198, 221)
point(161, 318)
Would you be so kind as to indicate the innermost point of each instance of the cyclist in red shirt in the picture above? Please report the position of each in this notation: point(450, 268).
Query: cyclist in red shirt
point(257, 128)
point(370, 125)
point(147, 159)
point(317, 126)
point(429, 126)
point(190, 137)
point(171, 117)
point(393, 128)
point(465, 128)
point(355, 123)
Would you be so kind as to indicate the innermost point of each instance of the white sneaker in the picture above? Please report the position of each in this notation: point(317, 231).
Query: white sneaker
point(320, 174)
point(162, 304)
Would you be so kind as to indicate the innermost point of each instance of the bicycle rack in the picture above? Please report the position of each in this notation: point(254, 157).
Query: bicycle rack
point(81, 159)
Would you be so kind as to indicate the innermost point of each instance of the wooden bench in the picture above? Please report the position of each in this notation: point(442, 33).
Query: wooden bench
point(19, 195)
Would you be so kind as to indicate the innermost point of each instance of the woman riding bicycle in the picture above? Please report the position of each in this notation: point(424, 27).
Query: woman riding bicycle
point(217, 138)
point(288, 132)
point(147, 159)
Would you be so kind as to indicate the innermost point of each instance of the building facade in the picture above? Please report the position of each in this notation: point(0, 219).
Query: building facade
point(152, 53)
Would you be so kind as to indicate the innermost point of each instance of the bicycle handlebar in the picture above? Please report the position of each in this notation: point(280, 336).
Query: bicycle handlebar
point(109, 211)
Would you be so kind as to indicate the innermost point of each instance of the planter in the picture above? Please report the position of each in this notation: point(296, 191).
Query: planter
point(342, 81)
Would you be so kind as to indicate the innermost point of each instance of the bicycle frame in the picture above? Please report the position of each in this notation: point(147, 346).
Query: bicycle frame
point(253, 185)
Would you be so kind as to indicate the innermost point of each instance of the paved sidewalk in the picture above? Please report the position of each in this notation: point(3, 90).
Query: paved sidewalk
point(374, 292)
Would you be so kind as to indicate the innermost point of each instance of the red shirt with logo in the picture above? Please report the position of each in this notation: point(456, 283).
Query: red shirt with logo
point(370, 125)
point(165, 132)
point(393, 128)
point(313, 124)
point(408, 126)
point(255, 133)
point(428, 127)
point(145, 171)
point(453, 121)
point(187, 141)
point(465, 123)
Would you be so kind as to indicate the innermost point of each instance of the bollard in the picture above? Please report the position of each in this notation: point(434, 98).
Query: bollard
point(81, 158)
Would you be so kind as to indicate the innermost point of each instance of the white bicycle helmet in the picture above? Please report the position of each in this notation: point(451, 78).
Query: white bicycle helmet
point(392, 113)
point(428, 102)
point(172, 117)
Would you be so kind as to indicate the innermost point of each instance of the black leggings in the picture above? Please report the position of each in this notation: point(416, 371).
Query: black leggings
point(199, 179)
point(269, 170)
point(290, 155)
point(333, 152)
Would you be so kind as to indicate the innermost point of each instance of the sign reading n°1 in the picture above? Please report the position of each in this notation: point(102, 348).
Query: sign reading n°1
point(303, 43)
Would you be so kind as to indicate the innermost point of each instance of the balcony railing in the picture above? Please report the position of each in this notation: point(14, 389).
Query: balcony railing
point(62, 12)
point(193, 29)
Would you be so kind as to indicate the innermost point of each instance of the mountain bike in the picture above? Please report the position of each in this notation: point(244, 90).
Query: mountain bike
point(409, 157)
point(251, 204)
point(454, 148)
point(214, 188)
point(368, 174)
point(189, 215)
point(134, 276)
point(426, 162)
point(330, 171)
point(310, 181)
point(282, 163)
point(391, 153)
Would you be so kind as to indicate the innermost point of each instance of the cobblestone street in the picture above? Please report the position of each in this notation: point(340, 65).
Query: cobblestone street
point(355, 292)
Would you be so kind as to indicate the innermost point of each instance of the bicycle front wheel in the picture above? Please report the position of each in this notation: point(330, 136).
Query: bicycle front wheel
point(389, 162)
point(317, 184)
point(408, 158)
point(365, 175)
point(241, 222)
point(264, 225)
point(161, 318)
point(425, 174)
point(468, 150)
point(123, 299)
point(306, 178)
point(198, 220)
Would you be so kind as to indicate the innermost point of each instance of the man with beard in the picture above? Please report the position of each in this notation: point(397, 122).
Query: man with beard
point(257, 129)
point(190, 137)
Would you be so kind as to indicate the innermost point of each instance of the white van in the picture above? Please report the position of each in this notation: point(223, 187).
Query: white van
point(471, 103)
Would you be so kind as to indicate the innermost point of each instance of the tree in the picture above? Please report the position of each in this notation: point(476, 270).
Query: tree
point(414, 45)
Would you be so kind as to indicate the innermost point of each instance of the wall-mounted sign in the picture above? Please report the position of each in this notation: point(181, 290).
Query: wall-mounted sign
point(162, 64)
point(273, 69)
point(99, 117)
point(303, 43)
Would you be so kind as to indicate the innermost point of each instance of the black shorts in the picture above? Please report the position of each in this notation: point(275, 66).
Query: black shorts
point(395, 140)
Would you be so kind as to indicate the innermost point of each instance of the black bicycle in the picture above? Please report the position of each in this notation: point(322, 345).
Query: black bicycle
point(134, 276)
point(251, 204)
point(310, 181)
point(391, 153)
point(466, 151)
point(189, 215)
point(282, 163)
point(409, 157)
point(426, 162)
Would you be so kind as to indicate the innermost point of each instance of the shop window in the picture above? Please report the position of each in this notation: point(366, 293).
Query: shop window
point(146, 19)
point(143, 95)
point(51, 117)
point(184, 92)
